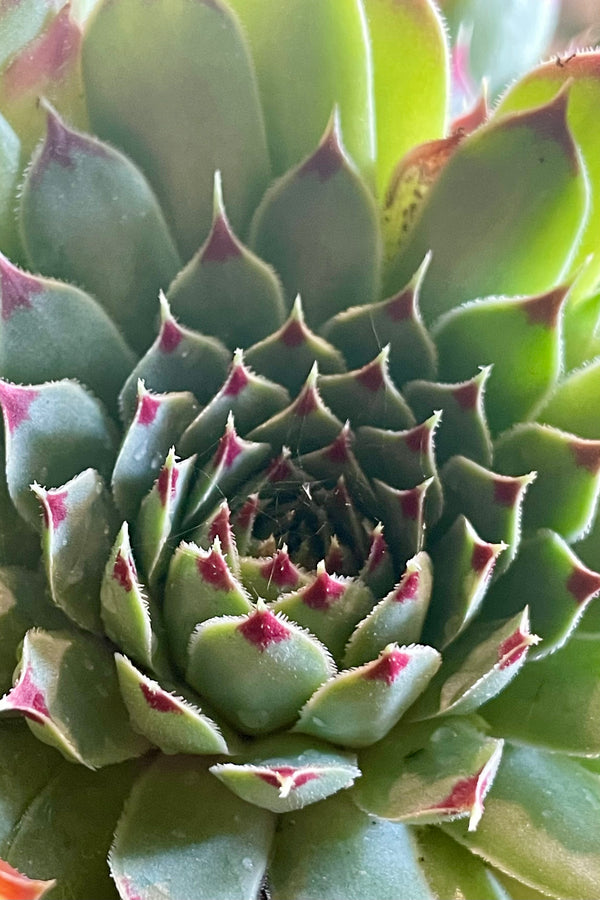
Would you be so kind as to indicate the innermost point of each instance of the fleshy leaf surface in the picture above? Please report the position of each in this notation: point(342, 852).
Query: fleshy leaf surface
point(335, 69)
point(323, 196)
point(359, 706)
point(533, 202)
point(52, 431)
point(540, 824)
point(78, 339)
point(569, 587)
point(288, 772)
point(407, 41)
point(79, 526)
point(215, 124)
point(169, 721)
point(89, 217)
point(334, 850)
point(68, 691)
point(213, 850)
point(283, 665)
point(436, 771)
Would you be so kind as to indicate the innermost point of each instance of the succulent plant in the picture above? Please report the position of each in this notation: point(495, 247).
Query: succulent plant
point(300, 383)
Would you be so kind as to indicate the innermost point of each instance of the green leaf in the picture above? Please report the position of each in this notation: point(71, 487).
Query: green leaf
point(398, 618)
point(282, 666)
point(84, 808)
point(565, 493)
point(251, 398)
point(429, 773)
point(124, 606)
point(509, 334)
point(54, 330)
point(306, 425)
point(540, 824)
point(333, 850)
point(367, 396)
point(24, 603)
point(410, 78)
point(476, 667)
point(403, 514)
point(79, 526)
point(26, 767)
point(178, 360)
point(462, 565)
point(218, 525)
point(169, 721)
point(215, 124)
point(185, 831)
point(334, 67)
point(18, 540)
point(268, 577)
point(157, 527)
point(361, 332)
point(317, 225)
point(288, 354)
point(68, 691)
point(582, 71)
point(234, 462)
point(463, 428)
point(288, 772)
point(159, 422)
point(527, 711)
point(359, 706)
point(573, 404)
point(452, 871)
point(52, 432)
point(402, 459)
point(206, 293)
point(199, 586)
point(568, 587)
point(516, 229)
point(328, 607)
point(491, 502)
point(88, 216)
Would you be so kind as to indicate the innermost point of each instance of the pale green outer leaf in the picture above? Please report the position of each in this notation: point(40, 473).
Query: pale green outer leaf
point(583, 74)
point(135, 61)
point(410, 78)
point(515, 229)
point(541, 824)
point(333, 850)
point(83, 808)
point(184, 835)
point(311, 55)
